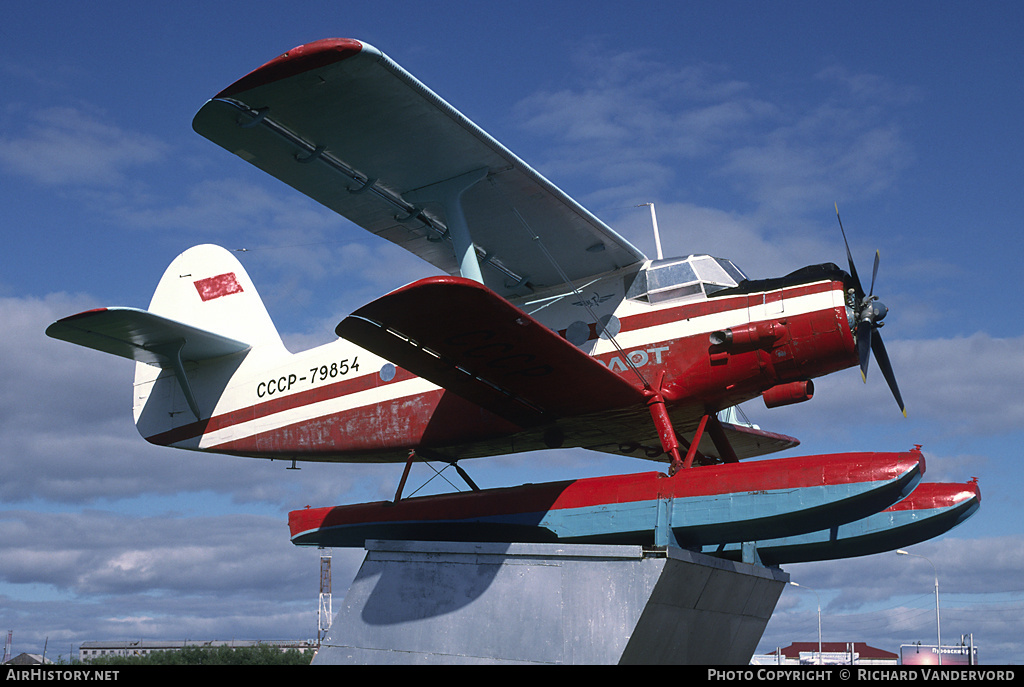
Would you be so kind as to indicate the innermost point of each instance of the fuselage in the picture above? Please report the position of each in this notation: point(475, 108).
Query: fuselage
point(706, 345)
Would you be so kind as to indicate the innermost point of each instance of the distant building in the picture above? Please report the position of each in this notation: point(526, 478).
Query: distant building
point(89, 651)
point(832, 653)
point(27, 660)
point(918, 654)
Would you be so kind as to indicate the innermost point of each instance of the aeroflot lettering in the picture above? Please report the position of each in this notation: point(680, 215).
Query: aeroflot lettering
point(639, 358)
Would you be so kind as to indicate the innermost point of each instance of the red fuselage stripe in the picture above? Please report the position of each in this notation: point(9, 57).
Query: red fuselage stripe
point(277, 405)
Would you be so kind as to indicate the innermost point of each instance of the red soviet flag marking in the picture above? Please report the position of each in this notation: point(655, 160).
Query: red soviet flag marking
point(215, 287)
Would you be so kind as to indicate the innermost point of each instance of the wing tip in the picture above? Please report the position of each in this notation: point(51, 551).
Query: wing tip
point(299, 59)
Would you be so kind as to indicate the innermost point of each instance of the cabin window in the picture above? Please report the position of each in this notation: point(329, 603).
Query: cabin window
point(668, 276)
point(696, 275)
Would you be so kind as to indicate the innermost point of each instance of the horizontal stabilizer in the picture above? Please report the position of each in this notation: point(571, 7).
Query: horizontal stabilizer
point(142, 336)
point(930, 511)
point(460, 335)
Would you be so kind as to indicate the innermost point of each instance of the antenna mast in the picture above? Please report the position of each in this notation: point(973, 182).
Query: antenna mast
point(657, 235)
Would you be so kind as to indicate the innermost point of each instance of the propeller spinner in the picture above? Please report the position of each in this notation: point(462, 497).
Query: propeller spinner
point(870, 313)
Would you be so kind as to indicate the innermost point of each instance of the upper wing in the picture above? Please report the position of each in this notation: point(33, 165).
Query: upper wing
point(458, 334)
point(345, 125)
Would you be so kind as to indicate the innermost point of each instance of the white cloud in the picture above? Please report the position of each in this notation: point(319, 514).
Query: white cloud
point(636, 129)
point(95, 552)
point(96, 575)
point(69, 146)
point(65, 415)
point(957, 387)
point(888, 600)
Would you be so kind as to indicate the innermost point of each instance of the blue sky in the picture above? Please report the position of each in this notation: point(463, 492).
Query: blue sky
point(743, 121)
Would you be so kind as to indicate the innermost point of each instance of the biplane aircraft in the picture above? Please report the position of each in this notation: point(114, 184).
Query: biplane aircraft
point(546, 329)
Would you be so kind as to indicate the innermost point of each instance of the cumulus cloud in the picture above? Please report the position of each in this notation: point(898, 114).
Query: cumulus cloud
point(158, 577)
point(963, 386)
point(69, 146)
point(856, 604)
point(65, 415)
point(971, 383)
point(634, 129)
point(94, 552)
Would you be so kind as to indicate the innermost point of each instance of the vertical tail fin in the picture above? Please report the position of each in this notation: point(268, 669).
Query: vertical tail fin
point(206, 287)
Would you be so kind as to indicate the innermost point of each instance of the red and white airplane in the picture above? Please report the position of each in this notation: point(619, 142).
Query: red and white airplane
point(547, 329)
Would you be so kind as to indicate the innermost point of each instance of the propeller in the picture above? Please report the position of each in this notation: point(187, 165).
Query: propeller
point(870, 313)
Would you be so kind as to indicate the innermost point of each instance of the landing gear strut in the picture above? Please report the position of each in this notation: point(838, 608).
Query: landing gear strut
point(671, 442)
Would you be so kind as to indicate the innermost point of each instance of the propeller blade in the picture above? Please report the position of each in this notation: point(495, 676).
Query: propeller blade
point(874, 272)
point(849, 258)
point(864, 338)
point(883, 363)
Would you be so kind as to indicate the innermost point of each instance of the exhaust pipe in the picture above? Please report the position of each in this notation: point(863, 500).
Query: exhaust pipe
point(788, 394)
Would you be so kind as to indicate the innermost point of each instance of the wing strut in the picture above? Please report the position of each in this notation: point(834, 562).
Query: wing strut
point(448, 194)
point(691, 453)
point(601, 328)
point(721, 440)
point(671, 443)
point(405, 475)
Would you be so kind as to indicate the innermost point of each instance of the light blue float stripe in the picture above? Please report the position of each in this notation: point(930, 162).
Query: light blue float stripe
point(733, 510)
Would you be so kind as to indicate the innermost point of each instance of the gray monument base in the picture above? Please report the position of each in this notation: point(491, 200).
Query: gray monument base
point(449, 603)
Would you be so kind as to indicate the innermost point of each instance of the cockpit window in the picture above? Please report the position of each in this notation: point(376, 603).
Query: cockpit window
point(696, 275)
point(732, 270)
point(670, 275)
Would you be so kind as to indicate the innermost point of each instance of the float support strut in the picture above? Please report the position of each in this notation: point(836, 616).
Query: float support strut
point(405, 475)
point(697, 436)
point(725, 449)
point(667, 433)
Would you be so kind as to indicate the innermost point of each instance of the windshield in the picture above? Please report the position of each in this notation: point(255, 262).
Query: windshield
point(695, 275)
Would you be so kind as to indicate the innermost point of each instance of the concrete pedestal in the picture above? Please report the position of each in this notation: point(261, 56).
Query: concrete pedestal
point(447, 603)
